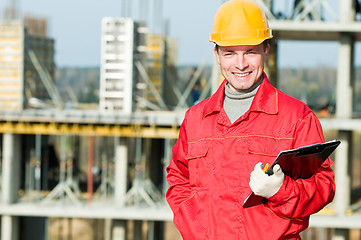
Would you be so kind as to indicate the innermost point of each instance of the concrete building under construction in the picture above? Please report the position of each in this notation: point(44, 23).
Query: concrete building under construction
point(27, 66)
point(99, 174)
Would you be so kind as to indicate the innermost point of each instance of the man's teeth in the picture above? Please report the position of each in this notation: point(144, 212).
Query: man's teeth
point(241, 74)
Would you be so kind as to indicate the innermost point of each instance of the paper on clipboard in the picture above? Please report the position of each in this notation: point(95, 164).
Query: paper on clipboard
point(302, 162)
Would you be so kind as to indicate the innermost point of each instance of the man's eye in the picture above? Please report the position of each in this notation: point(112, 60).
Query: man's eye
point(251, 53)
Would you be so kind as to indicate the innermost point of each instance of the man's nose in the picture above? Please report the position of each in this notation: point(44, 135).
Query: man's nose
point(241, 62)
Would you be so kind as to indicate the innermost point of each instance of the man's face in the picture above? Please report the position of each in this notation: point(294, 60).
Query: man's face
point(242, 65)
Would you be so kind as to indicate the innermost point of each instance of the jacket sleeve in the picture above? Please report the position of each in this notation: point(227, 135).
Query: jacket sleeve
point(303, 197)
point(186, 201)
point(178, 173)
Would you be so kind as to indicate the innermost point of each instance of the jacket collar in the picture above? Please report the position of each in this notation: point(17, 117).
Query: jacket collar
point(266, 99)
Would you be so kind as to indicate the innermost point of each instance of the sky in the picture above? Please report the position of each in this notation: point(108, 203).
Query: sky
point(76, 27)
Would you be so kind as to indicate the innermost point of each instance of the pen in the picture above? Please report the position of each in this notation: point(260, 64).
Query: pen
point(265, 167)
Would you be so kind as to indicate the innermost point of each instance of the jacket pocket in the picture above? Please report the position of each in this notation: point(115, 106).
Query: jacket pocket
point(197, 149)
point(192, 216)
point(198, 163)
point(290, 227)
point(267, 145)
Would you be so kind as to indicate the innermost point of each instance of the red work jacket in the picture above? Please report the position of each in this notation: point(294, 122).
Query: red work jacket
point(212, 160)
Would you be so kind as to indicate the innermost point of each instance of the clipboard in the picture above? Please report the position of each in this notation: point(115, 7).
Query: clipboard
point(297, 163)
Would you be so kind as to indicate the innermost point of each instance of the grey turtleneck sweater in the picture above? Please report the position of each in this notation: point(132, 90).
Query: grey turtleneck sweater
point(237, 103)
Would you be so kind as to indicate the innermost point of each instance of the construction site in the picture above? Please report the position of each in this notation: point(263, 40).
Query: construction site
point(99, 173)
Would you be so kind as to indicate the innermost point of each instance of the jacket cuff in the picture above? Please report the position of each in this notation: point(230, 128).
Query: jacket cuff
point(282, 195)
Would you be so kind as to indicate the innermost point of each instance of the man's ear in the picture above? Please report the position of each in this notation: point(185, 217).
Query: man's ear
point(215, 50)
point(266, 51)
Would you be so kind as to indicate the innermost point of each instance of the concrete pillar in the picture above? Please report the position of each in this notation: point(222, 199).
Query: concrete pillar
point(108, 229)
point(119, 227)
point(347, 10)
point(344, 105)
point(10, 183)
point(11, 168)
point(344, 111)
point(121, 169)
point(9, 227)
point(342, 175)
point(345, 77)
point(119, 230)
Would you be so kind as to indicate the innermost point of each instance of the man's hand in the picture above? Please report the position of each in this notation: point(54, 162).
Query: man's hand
point(263, 184)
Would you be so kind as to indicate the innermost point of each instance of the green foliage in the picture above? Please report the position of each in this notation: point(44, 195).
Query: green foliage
point(314, 86)
point(83, 82)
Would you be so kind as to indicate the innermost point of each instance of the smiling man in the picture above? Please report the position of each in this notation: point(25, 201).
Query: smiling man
point(242, 65)
point(224, 140)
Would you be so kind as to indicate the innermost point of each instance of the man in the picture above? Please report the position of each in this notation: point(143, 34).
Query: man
point(224, 139)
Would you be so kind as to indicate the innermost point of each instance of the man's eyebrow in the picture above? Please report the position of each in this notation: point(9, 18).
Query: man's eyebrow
point(252, 49)
point(227, 50)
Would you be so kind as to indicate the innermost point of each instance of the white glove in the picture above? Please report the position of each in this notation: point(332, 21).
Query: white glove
point(264, 185)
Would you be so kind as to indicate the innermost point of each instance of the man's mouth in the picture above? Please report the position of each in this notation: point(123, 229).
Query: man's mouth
point(242, 74)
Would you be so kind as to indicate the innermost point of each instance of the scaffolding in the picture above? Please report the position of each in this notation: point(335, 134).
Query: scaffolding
point(134, 111)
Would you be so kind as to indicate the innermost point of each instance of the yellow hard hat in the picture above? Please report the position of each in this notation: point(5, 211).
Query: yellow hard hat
point(240, 22)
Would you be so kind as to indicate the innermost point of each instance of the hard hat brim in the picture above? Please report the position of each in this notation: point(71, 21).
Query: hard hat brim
point(237, 42)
